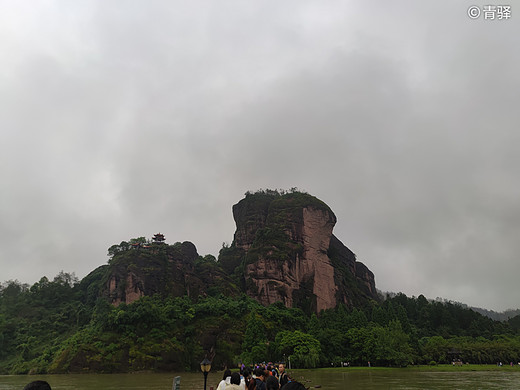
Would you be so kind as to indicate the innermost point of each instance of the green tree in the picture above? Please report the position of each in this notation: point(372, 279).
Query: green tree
point(392, 346)
point(303, 348)
point(434, 348)
point(255, 341)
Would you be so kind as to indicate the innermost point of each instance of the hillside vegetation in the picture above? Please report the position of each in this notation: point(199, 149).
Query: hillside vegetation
point(64, 325)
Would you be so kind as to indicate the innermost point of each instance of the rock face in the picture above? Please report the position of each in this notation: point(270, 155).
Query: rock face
point(285, 251)
point(127, 290)
point(167, 270)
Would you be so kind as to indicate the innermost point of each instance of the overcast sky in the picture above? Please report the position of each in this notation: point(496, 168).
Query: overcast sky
point(121, 119)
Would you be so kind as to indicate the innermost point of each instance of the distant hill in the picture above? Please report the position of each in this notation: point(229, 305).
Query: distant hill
point(496, 316)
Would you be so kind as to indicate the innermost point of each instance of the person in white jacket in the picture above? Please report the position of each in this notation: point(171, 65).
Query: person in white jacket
point(234, 382)
point(226, 380)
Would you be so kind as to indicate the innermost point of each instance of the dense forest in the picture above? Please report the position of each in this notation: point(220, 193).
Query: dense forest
point(64, 325)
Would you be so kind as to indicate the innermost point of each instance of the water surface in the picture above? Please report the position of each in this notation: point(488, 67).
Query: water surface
point(314, 379)
point(403, 379)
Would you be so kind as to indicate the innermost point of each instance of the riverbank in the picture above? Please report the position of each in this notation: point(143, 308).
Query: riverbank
point(438, 367)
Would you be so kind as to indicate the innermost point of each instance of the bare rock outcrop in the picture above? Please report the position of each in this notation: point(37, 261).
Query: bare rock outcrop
point(167, 270)
point(131, 289)
point(285, 250)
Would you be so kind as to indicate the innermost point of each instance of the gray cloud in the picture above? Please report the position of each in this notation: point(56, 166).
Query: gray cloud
point(121, 121)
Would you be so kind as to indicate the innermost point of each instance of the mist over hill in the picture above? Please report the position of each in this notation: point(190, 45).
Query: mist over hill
point(494, 315)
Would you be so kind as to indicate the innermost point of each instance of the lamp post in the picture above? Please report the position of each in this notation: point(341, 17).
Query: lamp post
point(205, 366)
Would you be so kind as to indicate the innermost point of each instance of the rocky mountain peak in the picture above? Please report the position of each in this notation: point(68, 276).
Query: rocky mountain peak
point(285, 250)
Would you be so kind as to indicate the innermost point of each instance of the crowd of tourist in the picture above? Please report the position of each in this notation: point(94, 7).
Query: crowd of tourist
point(261, 377)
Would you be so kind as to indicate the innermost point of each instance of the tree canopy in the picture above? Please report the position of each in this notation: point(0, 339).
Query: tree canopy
point(65, 325)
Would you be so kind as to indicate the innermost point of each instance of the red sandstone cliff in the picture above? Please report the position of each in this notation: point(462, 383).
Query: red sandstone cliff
point(289, 254)
point(283, 251)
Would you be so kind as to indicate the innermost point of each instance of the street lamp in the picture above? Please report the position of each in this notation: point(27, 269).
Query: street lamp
point(205, 366)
